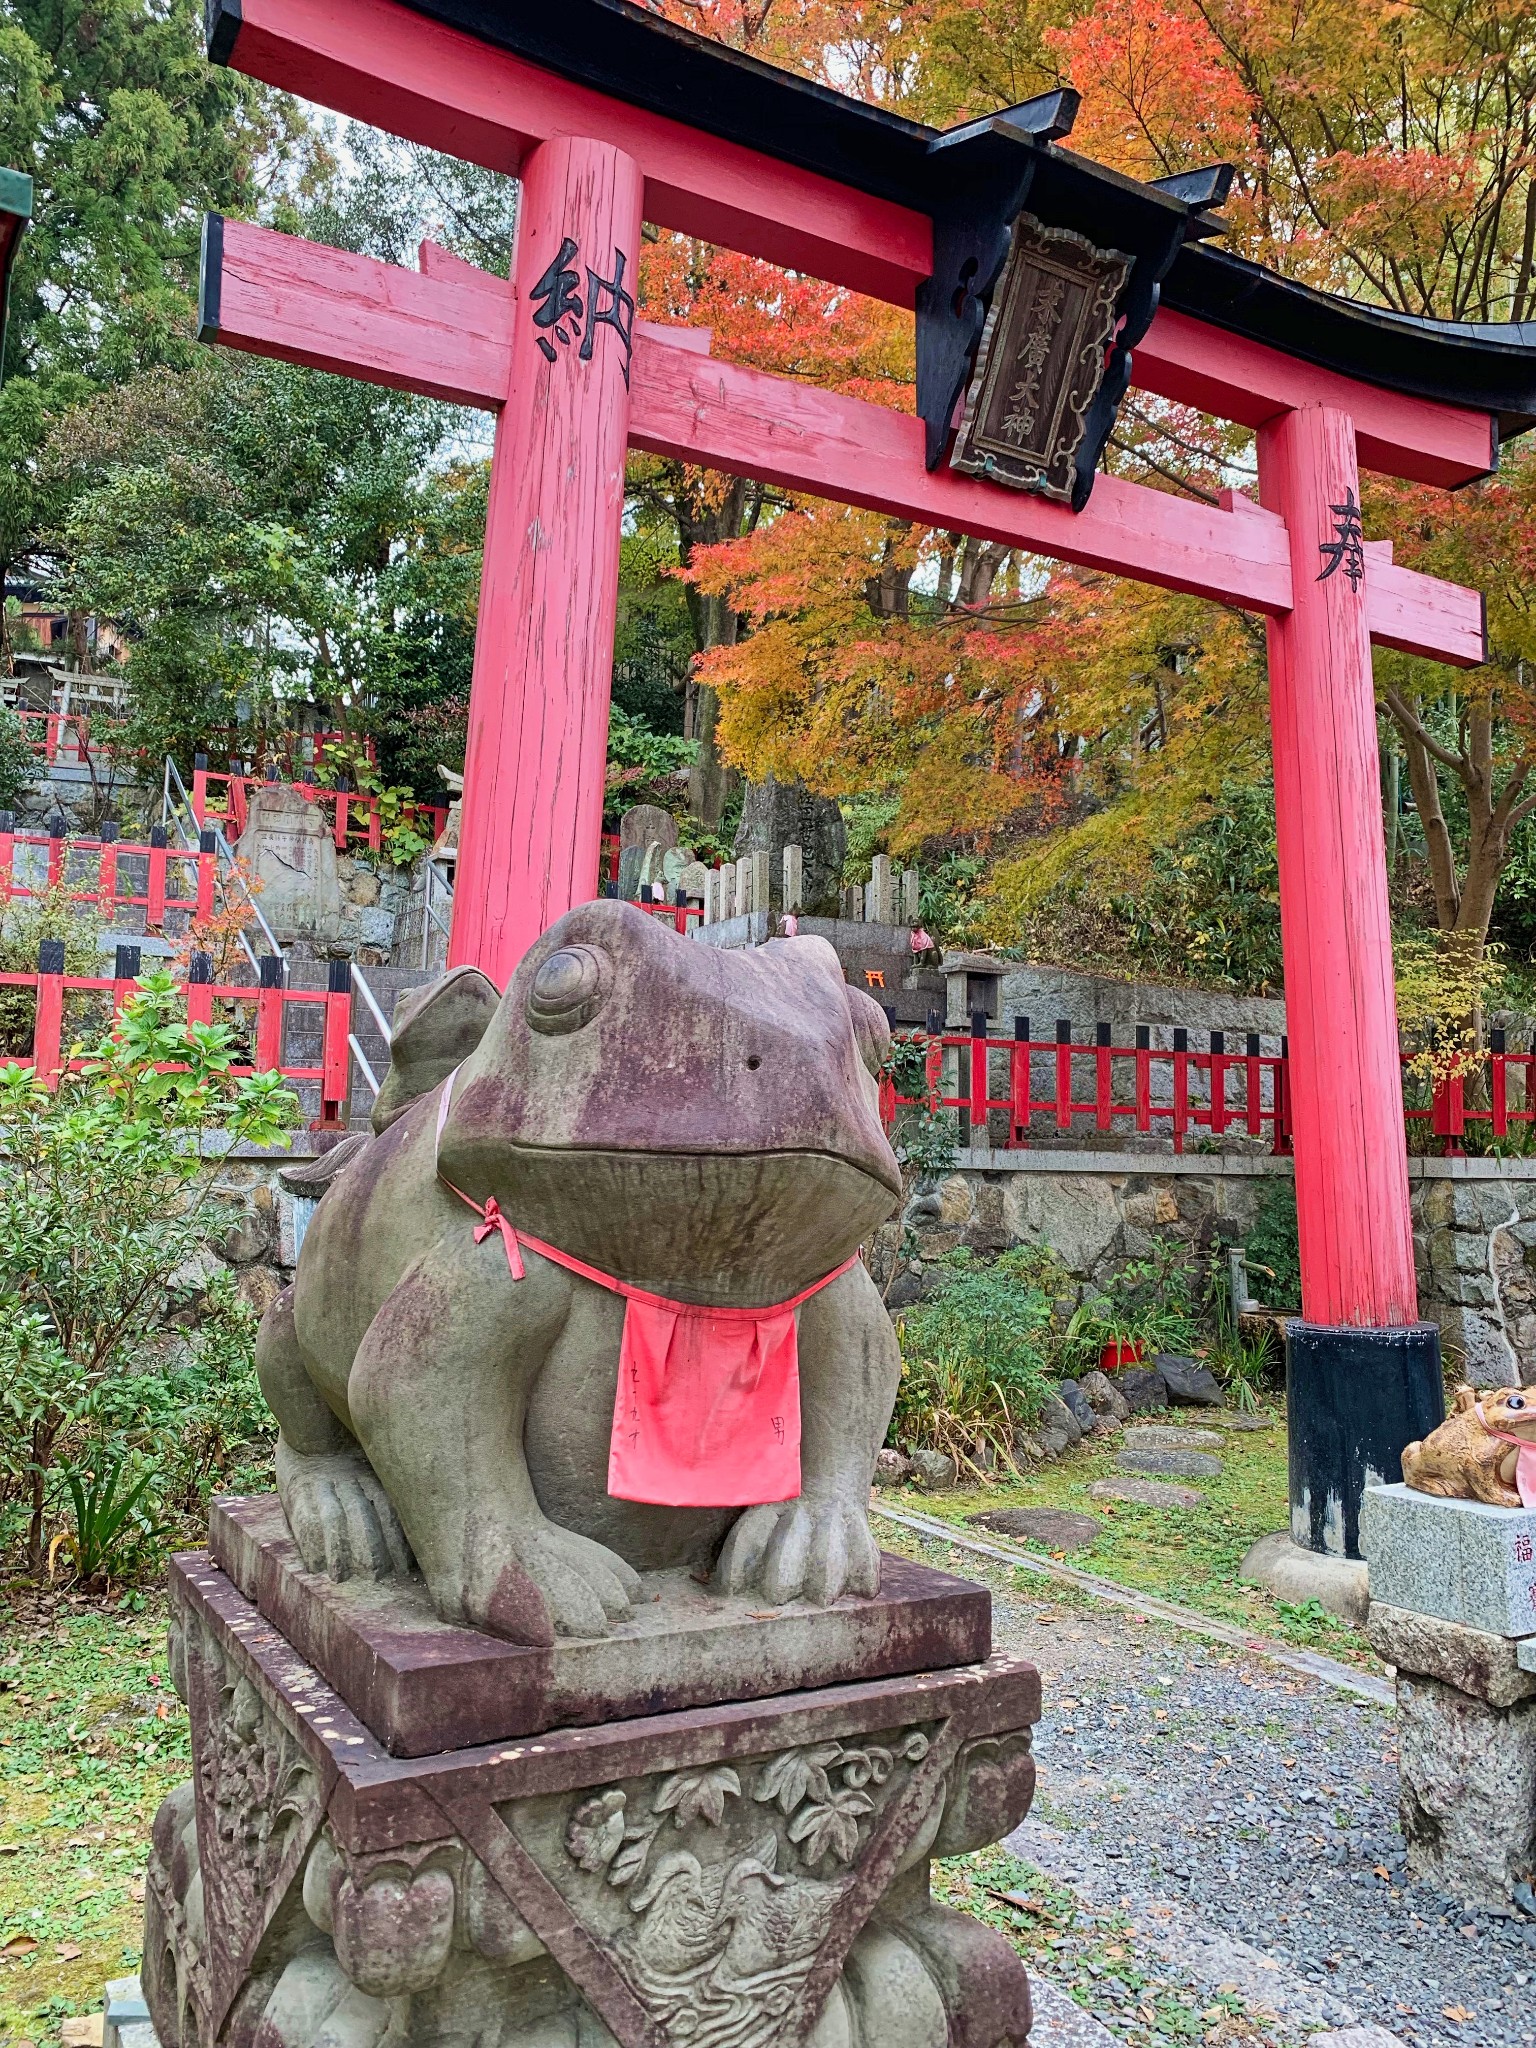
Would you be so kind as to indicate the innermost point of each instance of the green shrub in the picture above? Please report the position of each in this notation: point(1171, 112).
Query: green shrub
point(977, 1357)
point(1155, 1302)
point(101, 1225)
point(1273, 1242)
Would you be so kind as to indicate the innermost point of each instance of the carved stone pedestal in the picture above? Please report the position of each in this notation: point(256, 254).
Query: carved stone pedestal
point(746, 1875)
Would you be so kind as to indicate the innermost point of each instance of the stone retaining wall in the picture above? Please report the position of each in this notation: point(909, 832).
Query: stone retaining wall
point(1474, 1228)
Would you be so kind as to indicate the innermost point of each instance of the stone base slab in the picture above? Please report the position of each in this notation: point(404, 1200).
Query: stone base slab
point(420, 1684)
point(1341, 1585)
point(753, 1873)
point(1458, 1559)
point(1487, 1667)
point(1467, 1789)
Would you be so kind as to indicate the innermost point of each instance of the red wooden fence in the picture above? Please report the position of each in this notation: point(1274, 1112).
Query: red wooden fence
point(223, 798)
point(261, 1012)
point(1039, 1089)
point(173, 878)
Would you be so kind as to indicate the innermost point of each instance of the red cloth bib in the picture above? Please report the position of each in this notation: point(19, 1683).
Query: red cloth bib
point(707, 1409)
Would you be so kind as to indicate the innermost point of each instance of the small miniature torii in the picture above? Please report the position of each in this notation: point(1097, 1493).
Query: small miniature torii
point(608, 116)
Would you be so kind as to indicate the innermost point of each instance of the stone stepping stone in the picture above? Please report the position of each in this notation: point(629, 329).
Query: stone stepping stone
point(1233, 1421)
point(1179, 1464)
point(1151, 1436)
point(1056, 1528)
point(1146, 1493)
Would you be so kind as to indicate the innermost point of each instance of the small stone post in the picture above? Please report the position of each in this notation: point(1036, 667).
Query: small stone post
point(744, 904)
point(909, 895)
point(760, 867)
point(794, 879)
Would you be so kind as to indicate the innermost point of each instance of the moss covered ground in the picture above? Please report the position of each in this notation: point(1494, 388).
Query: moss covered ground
point(91, 1739)
point(1188, 1555)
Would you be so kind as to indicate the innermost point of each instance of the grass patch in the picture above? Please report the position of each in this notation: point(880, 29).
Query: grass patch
point(1188, 1555)
point(1091, 1954)
point(91, 1739)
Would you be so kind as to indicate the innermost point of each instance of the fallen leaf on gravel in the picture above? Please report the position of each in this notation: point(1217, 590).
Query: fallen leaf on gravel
point(70, 1951)
point(1458, 2013)
point(1381, 1870)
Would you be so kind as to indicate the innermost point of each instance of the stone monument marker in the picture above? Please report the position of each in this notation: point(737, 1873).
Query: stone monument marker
point(560, 1698)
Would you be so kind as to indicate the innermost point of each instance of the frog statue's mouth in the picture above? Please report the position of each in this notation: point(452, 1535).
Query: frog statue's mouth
point(701, 1123)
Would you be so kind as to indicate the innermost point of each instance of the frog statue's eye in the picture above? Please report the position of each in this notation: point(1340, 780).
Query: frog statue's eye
point(1514, 1403)
point(568, 990)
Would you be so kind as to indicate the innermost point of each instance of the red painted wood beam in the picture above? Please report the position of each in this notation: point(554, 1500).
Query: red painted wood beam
point(380, 63)
point(448, 334)
point(1239, 379)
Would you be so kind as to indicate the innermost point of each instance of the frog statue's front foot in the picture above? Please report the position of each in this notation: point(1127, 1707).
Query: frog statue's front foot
point(806, 1549)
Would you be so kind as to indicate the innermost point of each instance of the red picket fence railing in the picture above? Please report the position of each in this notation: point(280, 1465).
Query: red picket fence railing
point(1175, 1090)
point(223, 798)
point(173, 878)
point(1449, 1114)
point(57, 735)
point(1043, 1088)
point(264, 1011)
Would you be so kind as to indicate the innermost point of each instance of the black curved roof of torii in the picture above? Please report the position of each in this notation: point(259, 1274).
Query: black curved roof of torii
point(630, 54)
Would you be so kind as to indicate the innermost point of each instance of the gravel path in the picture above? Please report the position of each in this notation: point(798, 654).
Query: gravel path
point(1244, 1817)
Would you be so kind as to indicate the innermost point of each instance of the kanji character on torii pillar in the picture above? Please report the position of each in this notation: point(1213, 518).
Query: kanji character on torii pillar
point(608, 116)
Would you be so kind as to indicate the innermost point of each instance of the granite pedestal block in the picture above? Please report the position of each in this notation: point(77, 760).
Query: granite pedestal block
point(1457, 1559)
point(424, 1685)
point(749, 1874)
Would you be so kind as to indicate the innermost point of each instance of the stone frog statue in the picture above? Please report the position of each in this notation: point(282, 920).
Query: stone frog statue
point(698, 1123)
point(1476, 1453)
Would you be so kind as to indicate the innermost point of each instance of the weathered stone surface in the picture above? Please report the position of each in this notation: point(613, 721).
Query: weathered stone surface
point(1060, 2022)
point(1468, 1790)
point(1056, 1528)
point(1457, 1559)
point(1471, 1660)
point(290, 854)
point(934, 1471)
point(1071, 1393)
point(1141, 1388)
point(778, 814)
point(1056, 1428)
point(1231, 1419)
point(1147, 1493)
point(1340, 1585)
point(1190, 1384)
point(1104, 1397)
point(752, 1875)
point(645, 825)
point(891, 1468)
point(1152, 1436)
point(1078, 1218)
point(433, 1408)
point(388, 1655)
point(1177, 1464)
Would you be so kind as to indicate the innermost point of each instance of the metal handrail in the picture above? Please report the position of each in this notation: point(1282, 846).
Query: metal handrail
point(172, 813)
point(362, 1060)
point(430, 916)
point(359, 982)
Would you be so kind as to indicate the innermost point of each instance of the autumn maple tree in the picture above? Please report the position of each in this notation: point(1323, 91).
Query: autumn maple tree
point(1382, 150)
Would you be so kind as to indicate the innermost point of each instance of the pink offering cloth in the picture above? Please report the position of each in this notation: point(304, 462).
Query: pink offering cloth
point(1525, 1465)
point(707, 1409)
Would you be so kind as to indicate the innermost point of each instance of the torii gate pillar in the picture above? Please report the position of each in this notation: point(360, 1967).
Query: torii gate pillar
point(538, 707)
point(1363, 1373)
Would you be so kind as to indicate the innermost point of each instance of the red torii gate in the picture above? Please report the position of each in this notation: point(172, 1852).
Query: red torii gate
point(607, 116)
